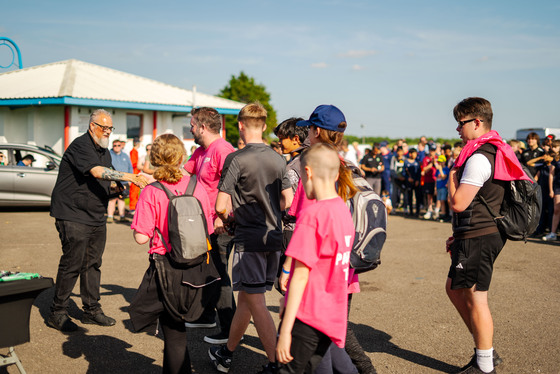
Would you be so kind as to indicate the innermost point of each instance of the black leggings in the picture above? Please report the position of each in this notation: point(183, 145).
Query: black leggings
point(176, 357)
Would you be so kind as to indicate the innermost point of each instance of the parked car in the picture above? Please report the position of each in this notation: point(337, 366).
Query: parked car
point(31, 184)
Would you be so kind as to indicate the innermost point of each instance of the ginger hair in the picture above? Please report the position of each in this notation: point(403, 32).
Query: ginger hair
point(167, 154)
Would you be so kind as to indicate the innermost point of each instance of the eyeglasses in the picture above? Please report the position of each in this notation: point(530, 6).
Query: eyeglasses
point(463, 123)
point(105, 128)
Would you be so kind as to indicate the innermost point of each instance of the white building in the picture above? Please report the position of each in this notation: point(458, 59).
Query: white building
point(50, 104)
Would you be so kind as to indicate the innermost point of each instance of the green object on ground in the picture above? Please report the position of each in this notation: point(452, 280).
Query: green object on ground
point(19, 276)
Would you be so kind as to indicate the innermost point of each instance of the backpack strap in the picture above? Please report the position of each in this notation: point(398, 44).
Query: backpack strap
point(192, 185)
point(490, 210)
point(160, 186)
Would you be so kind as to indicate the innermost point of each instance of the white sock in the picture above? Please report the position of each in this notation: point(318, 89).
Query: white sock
point(484, 359)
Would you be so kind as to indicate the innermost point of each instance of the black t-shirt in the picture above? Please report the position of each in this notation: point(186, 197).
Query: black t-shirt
point(255, 176)
point(77, 196)
point(371, 161)
point(530, 154)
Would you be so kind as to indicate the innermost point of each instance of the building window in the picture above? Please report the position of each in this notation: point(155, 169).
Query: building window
point(133, 125)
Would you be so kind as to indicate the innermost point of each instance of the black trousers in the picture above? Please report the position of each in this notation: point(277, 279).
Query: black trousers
point(355, 350)
point(147, 309)
point(309, 345)
point(225, 306)
point(176, 359)
point(82, 249)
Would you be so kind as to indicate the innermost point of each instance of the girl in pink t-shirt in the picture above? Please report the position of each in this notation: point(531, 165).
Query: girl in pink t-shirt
point(327, 125)
point(319, 275)
point(147, 308)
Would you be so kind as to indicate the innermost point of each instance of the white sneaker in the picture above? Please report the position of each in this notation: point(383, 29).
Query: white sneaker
point(428, 214)
point(549, 237)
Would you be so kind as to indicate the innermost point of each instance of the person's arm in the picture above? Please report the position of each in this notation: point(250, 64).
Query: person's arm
point(223, 206)
point(284, 275)
point(104, 173)
point(297, 288)
point(146, 167)
point(286, 199)
point(551, 181)
point(460, 195)
point(533, 161)
point(537, 176)
point(140, 238)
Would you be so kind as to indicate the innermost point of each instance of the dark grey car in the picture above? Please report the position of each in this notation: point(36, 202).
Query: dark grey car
point(27, 185)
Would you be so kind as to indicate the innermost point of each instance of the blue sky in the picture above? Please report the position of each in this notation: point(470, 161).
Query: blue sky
point(395, 67)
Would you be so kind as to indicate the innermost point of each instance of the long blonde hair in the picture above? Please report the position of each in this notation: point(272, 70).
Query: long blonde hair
point(167, 155)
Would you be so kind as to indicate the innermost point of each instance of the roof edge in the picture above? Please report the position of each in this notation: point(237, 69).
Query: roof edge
point(105, 104)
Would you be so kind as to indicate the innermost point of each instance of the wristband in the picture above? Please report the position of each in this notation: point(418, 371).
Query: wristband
point(285, 272)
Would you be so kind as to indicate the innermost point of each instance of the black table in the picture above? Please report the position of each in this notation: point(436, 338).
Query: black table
point(16, 299)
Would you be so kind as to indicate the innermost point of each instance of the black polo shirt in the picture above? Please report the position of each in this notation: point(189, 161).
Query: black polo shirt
point(372, 161)
point(255, 177)
point(77, 196)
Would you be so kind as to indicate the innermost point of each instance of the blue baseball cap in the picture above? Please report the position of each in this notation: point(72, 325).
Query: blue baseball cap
point(327, 117)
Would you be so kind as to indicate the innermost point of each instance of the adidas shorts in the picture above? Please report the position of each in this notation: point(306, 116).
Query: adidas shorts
point(254, 272)
point(472, 261)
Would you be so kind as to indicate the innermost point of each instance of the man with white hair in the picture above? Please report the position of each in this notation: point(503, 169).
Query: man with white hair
point(79, 202)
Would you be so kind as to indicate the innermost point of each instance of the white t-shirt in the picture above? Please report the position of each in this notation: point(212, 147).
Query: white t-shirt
point(477, 170)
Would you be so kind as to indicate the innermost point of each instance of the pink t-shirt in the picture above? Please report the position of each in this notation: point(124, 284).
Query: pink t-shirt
point(151, 212)
point(207, 164)
point(299, 204)
point(322, 240)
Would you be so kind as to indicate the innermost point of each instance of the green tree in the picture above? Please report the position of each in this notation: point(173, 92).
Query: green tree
point(244, 89)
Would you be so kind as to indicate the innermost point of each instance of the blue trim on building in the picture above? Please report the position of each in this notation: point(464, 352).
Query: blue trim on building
point(67, 100)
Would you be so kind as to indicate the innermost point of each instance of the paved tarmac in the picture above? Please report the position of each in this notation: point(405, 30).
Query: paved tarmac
point(402, 316)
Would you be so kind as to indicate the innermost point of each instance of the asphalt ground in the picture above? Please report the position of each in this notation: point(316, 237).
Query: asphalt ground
point(402, 317)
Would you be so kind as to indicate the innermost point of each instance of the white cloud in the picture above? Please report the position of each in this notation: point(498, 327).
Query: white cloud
point(357, 53)
point(358, 67)
point(483, 59)
point(319, 65)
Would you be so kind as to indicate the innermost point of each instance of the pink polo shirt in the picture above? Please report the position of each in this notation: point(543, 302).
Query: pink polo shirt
point(207, 164)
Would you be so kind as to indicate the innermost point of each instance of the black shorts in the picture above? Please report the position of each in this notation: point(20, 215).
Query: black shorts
point(472, 261)
point(429, 188)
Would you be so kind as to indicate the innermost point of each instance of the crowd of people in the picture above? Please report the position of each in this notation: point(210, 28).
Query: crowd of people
point(279, 212)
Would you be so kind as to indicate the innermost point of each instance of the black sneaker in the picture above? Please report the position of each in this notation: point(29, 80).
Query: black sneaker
point(495, 356)
point(61, 322)
point(219, 338)
point(202, 323)
point(270, 368)
point(97, 319)
point(475, 370)
point(221, 358)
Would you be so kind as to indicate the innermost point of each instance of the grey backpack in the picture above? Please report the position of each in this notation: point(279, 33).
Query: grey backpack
point(369, 215)
point(186, 227)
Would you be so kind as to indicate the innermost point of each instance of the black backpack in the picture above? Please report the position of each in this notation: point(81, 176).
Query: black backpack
point(521, 209)
point(186, 227)
point(369, 215)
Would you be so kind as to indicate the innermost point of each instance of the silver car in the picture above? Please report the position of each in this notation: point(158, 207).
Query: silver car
point(27, 174)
